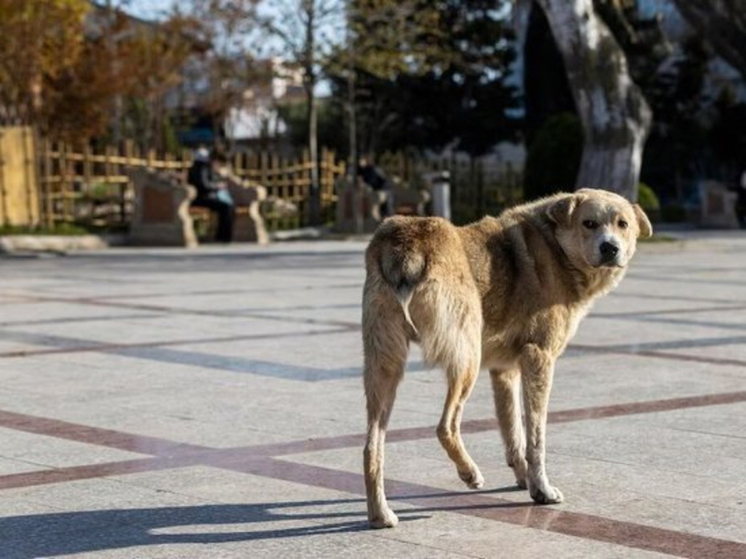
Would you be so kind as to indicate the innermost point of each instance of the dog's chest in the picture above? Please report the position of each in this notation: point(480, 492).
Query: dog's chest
point(502, 344)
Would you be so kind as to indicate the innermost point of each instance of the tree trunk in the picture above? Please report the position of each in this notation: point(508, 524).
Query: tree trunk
point(310, 83)
point(353, 157)
point(612, 110)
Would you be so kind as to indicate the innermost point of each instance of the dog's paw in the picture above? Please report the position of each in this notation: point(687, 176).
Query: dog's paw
point(385, 519)
point(520, 470)
point(472, 478)
point(547, 495)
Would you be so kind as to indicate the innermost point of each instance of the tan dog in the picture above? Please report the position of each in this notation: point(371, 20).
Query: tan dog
point(503, 293)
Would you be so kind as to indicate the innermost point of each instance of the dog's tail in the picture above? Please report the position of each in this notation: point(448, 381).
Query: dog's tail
point(403, 269)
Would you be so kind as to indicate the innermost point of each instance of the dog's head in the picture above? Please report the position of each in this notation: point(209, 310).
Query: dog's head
point(597, 228)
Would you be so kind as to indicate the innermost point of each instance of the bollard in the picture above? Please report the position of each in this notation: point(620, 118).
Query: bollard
point(440, 188)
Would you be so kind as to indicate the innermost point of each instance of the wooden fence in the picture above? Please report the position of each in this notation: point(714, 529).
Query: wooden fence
point(91, 188)
point(55, 183)
point(478, 186)
point(289, 181)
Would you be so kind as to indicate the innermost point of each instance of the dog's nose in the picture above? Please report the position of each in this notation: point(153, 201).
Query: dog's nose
point(609, 250)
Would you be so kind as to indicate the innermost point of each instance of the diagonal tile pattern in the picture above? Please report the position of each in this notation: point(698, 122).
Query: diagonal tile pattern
point(228, 382)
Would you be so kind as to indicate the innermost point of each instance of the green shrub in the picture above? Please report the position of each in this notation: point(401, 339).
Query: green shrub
point(647, 198)
point(553, 158)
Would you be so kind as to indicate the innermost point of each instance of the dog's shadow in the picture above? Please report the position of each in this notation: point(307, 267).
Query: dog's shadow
point(64, 533)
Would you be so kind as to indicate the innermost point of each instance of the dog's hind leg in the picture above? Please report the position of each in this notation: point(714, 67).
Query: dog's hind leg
point(506, 388)
point(385, 359)
point(460, 383)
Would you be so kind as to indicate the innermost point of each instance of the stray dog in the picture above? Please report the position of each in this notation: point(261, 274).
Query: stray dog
point(503, 293)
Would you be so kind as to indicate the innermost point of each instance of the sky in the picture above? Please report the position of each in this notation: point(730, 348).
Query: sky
point(148, 9)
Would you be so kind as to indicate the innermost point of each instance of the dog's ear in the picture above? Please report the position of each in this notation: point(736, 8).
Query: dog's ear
point(560, 212)
point(643, 223)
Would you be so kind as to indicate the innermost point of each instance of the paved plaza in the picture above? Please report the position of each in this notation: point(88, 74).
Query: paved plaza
point(209, 403)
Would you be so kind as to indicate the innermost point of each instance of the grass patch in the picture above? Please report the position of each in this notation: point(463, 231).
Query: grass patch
point(659, 238)
point(64, 229)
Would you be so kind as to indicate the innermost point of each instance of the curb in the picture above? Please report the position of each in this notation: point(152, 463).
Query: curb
point(58, 244)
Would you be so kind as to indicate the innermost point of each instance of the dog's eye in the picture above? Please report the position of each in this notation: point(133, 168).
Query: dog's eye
point(623, 224)
point(590, 224)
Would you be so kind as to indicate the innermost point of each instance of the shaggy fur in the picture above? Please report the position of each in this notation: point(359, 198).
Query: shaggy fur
point(503, 293)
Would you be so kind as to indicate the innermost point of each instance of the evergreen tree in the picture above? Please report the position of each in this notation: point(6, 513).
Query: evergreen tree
point(436, 76)
point(678, 144)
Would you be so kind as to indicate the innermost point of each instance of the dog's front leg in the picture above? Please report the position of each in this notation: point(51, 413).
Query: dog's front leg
point(537, 370)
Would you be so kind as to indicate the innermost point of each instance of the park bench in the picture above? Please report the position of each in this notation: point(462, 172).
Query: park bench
point(161, 210)
point(163, 215)
point(717, 207)
point(402, 199)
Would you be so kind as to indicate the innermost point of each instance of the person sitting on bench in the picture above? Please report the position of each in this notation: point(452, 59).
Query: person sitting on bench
point(212, 191)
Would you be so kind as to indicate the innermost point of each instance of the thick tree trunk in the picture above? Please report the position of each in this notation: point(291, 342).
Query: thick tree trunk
point(612, 110)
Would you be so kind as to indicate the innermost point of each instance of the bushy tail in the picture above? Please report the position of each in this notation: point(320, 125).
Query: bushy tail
point(403, 269)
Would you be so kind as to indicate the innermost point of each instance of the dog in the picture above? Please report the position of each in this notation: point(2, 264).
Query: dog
point(505, 294)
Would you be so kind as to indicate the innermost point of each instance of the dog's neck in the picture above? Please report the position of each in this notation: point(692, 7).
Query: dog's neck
point(599, 281)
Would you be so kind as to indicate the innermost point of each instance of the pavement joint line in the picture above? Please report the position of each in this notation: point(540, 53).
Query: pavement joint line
point(612, 350)
point(659, 355)
point(60, 298)
point(166, 454)
point(725, 308)
point(234, 291)
point(350, 327)
point(91, 471)
point(676, 279)
point(723, 305)
point(108, 347)
point(77, 319)
point(634, 295)
point(199, 312)
point(708, 324)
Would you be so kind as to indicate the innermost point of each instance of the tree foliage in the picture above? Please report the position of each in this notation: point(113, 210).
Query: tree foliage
point(723, 24)
point(554, 156)
point(41, 40)
point(430, 74)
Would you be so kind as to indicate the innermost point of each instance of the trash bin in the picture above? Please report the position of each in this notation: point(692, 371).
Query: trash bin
point(439, 184)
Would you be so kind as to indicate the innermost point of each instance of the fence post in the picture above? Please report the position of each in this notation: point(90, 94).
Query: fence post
point(87, 164)
point(46, 183)
point(186, 159)
point(3, 193)
point(63, 194)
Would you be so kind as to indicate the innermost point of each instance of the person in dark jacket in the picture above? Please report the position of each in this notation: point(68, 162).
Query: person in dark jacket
point(377, 180)
point(212, 192)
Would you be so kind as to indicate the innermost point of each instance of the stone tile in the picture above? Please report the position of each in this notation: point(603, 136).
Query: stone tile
point(679, 470)
point(10, 466)
point(53, 452)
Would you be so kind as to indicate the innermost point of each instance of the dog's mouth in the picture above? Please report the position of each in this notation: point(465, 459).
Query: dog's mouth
point(610, 265)
point(615, 262)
